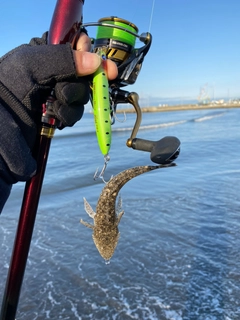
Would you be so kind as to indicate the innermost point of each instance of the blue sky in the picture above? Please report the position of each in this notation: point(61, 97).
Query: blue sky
point(195, 43)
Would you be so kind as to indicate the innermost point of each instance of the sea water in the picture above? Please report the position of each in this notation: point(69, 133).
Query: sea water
point(178, 255)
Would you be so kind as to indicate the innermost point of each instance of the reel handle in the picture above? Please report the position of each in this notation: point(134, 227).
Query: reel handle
point(163, 151)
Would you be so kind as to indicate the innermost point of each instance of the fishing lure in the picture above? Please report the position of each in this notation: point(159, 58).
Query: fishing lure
point(107, 216)
point(101, 107)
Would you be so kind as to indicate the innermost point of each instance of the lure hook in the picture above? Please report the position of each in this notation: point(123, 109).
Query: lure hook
point(101, 175)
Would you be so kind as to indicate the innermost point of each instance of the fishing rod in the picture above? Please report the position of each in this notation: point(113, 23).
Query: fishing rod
point(65, 24)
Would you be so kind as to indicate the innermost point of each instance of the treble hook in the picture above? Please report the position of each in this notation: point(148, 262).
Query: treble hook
point(101, 175)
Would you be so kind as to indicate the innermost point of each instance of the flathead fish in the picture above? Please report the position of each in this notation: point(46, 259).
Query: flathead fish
point(108, 214)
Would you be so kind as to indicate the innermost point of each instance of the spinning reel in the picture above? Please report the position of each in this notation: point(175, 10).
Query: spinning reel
point(115, 40)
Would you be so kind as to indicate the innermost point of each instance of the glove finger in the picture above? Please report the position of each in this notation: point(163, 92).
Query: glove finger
point(68, 115)
point(71, 97)
point(76, 93)
point(14, 151)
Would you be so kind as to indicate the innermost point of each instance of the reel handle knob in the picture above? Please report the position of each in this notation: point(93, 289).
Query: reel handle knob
point(163, 151)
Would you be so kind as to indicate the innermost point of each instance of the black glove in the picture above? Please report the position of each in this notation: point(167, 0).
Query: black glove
point(27, 76)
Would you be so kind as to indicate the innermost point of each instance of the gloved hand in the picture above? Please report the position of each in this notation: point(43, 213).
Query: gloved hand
point(27, 76)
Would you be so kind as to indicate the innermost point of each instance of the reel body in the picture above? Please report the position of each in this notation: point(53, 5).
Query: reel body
point(120, 43)
point(119, 37)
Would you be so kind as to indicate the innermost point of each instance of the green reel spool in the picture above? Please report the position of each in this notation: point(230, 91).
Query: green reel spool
point(120, 42)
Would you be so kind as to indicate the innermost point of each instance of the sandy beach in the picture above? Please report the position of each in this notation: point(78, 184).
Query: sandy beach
point(181, 107)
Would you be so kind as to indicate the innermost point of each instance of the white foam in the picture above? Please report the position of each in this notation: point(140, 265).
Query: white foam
point(208, 117)
point(173, 315)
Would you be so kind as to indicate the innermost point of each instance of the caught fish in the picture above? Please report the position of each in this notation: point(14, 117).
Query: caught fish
point(107, 216)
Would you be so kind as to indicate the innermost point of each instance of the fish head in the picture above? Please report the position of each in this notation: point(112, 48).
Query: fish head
point(106, 241)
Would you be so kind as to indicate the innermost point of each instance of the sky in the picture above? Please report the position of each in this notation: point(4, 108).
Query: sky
point(195, 48)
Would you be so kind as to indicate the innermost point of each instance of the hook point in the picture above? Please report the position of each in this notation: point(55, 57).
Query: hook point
point(101, 175)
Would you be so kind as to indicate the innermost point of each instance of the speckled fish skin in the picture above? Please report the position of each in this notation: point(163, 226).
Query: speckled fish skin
point(106, 219)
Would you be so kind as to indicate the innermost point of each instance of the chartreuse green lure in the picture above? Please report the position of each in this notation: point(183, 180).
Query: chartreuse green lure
point(101, 105)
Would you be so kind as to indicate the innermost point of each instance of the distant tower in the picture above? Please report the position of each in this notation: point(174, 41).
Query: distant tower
point(203, 97)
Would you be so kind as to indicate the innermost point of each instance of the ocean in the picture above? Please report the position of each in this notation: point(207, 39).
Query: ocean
point(178, 255)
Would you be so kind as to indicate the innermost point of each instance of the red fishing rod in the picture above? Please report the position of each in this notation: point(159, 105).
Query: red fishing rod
point(65, 26)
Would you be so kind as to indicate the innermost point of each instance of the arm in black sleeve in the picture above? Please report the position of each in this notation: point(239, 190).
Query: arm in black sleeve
point(27, 76)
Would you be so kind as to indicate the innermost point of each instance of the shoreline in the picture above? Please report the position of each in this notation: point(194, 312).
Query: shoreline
point(180, 108)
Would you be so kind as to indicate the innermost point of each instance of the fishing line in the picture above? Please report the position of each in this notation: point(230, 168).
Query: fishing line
point(151, 17)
